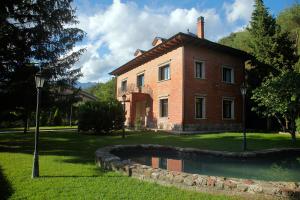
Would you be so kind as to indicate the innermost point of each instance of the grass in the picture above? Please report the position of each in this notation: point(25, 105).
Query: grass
point(68, 171)
point(41, 128)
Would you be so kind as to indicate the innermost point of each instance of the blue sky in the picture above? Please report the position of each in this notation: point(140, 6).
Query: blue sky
point(116, 28)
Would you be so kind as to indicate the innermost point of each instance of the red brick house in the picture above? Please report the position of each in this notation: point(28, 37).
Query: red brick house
point(184, 83)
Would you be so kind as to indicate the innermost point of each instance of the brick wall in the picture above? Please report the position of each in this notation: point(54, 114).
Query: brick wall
point(182, 88)
point(172, 89)
point(212, 88)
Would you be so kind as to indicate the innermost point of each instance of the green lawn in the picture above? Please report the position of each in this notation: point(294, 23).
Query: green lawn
point(68, 171)
point(41, 128)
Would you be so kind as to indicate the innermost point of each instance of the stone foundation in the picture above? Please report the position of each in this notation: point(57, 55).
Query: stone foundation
point(213, 127)
point(286, 190)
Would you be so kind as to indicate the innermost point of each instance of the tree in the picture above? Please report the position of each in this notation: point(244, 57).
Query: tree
point(36, 32)
point(274, 51)
point(104, 91)
point(289, 20)
point(272, 47)
point(279, 97)
point(238, 40)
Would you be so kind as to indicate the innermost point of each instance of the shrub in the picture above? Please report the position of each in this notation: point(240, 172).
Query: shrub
point(57, 118)
point(100, 117)
point(298, 124)
point(138, 124)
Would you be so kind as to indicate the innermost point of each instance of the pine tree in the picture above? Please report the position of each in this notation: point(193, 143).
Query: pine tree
point(274, 70)
point(36, 31)
point(273, 49)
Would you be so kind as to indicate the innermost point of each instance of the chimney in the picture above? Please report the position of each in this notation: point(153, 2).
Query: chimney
point(200, 27)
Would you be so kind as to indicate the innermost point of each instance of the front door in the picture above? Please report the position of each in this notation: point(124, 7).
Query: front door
point(140, 113)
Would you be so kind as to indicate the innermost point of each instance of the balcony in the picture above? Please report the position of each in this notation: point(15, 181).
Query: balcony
point(133, 88)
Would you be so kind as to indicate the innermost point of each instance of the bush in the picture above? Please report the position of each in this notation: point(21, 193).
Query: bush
point(57, 118)
point(100, 117)
point(298, 124)
point(138, 124)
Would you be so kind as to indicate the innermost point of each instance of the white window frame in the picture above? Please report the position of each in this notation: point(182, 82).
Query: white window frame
point(203, 69)
point(159, 69)
point(139, 74)
point(160, 107)
point(203, 107)
point(232, 107)
point(126, 85)
point(232, 74)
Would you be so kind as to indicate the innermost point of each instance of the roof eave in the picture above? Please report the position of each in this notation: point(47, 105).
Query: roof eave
point(179, 39)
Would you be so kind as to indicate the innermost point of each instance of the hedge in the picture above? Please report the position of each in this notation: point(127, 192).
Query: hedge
point(100, 117)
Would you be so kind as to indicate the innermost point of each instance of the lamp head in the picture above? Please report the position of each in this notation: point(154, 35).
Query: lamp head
point(243, 89)
point(124, 97)
point(39, 80)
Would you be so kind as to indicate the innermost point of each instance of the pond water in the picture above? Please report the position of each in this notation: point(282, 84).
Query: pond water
point(278, 168)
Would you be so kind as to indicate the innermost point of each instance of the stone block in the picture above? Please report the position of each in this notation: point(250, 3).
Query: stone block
point(220, 185)
point(255, 189)
point(155, 175)
point(211, 181)
point(229, 184)
point(242, 187)
point(248, 182)
point(201, 181)
point(189, 180)
point(178, 179)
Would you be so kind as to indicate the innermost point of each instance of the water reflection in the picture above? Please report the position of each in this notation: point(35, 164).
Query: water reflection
point(169, 164)
point(270, 169)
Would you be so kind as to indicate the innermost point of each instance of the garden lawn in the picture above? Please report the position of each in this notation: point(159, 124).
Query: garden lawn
point(68, 171)
point(41, 128)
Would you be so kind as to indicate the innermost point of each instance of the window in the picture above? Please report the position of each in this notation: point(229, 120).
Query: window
point(140, 80)
point(163, 107)
point(163, 163)
point(200, 108)
point(199, 69)
point(124, 86)
point(164, 73)
point(228, 109)
point(228, 75)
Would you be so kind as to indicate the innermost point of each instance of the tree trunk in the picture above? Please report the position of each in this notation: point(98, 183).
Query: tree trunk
point(25, 123)
point(281, 124)
point(268, 124)
point(28, 123)
point(286, 123)
point(293, 129)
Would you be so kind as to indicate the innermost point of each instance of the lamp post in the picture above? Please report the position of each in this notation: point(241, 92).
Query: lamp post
point(244, 91)
point(123, 102)
point(39, 81)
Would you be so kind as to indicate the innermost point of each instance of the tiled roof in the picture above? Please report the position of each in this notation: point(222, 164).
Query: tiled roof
point(180, 39)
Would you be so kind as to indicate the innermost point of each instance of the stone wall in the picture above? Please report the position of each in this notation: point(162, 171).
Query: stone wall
point(108, 161)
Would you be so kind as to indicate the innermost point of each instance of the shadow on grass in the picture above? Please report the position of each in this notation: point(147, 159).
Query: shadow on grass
point(5, 187)
point(80, 148)
point(72, 176)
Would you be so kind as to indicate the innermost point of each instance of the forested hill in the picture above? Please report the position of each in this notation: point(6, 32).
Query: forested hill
point(288, 19)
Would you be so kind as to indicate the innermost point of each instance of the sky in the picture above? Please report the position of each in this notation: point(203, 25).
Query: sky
point(116, 28)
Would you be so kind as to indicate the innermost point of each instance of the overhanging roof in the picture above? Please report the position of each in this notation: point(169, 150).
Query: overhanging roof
point(180, 39)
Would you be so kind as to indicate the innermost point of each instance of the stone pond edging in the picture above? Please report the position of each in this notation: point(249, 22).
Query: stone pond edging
point(106, 159)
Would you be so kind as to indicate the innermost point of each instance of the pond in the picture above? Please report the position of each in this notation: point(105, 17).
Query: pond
point(270, 168)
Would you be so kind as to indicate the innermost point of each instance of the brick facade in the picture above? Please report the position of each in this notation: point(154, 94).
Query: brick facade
point(180, 52)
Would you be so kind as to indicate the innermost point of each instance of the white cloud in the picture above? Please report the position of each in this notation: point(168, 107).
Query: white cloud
point(239, 10)
point(122, 28)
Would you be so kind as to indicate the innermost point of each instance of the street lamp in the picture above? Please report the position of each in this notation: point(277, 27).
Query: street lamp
point(39, 81)
point(123, 102)
point(244, 91)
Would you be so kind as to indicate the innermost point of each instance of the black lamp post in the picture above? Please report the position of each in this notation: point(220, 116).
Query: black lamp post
point(244, 91)
point(39, 81)
point(124, 110)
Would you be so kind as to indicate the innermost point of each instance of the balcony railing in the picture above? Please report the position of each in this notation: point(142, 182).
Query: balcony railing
point(131, 88)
